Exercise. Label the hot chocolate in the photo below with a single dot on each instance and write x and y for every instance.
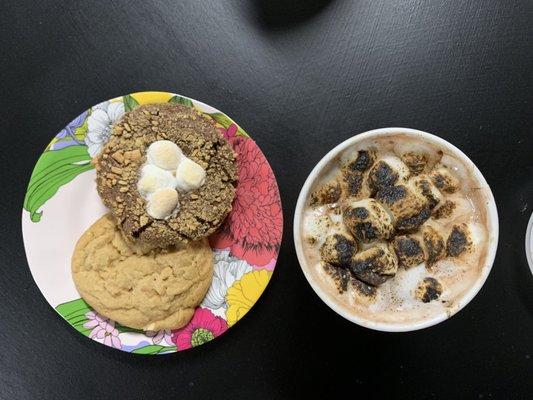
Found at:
(395, 229)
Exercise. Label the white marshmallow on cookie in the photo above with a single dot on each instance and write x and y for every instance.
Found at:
(162, 203)
(189, 175)
(166, 170)
(164, 154)
(154, 178)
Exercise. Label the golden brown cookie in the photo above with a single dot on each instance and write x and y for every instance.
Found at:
(149, 290)
(202, 210)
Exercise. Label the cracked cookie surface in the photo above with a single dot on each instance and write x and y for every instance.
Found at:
(140, 288)
(201, 211)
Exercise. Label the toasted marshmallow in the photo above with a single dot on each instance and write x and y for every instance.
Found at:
(363, 292)
(326, 194)
(434, 246)
(459, 241)
(367, 220)
(351, 184)
(408, 249)
(164, 154)
(338, 250)
(317, 227)
(444, 179)
(408, 208)
(352, 174)
(416, 162)
(189, 175)
(428, 289)
(374, 265)
(455, 207)
(363, 161)
(420, 157)
(388, 171)
(162, 203)
(423, 185)
(154, 178)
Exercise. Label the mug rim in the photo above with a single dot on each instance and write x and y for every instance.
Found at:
(529, 243)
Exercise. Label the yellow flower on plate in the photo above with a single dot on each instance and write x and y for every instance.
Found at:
(152, 97)
(243, 294)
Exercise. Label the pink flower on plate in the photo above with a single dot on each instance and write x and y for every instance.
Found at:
(158, 336)
(203, 327)
(230, 131)
(254, 227)
(103, 329)
(269, 266)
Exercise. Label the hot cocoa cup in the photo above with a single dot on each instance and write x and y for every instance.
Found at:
(396, 229)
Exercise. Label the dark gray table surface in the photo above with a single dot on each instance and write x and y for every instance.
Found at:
(300, 76)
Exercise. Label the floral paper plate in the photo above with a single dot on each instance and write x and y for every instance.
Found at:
(61, 203)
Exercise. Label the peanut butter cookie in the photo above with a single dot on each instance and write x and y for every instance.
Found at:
(140, 288)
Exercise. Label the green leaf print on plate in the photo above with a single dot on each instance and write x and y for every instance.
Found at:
(54, 169)
(154, 349)
(74, 312)
(129, 103)
(122, 329)
(181, 100)
(226, 122)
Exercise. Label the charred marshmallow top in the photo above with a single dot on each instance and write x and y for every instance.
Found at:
(167, 171)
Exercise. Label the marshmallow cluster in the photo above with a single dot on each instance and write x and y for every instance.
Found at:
(166, 173)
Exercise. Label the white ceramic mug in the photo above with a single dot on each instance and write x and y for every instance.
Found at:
(329, 298)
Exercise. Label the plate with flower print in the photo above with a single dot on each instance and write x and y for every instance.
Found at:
(61, 202)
